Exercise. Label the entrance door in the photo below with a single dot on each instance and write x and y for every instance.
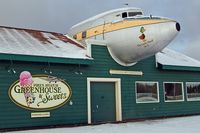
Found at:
(103, 102)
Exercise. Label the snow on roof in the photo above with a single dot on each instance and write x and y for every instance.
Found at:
(39, 43)
(173, 58)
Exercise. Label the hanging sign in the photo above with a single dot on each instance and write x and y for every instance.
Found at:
(39, 92)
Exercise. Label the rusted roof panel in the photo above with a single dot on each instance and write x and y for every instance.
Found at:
(39, 43)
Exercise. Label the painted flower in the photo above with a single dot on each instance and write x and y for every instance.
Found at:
(30, 98)
(142, 30)
(142, 36)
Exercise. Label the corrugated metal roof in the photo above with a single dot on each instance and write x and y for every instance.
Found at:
(39, 43)
(173, 58)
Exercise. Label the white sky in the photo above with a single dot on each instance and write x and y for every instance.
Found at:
(60, 15)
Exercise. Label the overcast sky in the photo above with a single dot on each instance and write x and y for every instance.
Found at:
(60, 15)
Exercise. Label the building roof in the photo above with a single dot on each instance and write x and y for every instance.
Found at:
(26, 42)
(170, 59)
(42, 46)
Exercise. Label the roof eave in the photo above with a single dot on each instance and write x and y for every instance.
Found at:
(31, 58)
(178, 68)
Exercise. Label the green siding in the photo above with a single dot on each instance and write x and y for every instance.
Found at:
(12, 116)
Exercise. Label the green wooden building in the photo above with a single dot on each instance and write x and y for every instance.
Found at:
(48, 79)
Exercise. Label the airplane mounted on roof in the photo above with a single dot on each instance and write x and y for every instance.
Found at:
(129, 35)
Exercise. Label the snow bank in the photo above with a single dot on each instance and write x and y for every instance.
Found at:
(172, 125)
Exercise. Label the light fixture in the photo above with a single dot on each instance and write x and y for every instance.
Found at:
(78, 72)
(10, 68)
(70, 102)
(47, 69)
(124, 72)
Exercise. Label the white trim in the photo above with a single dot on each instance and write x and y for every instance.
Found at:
(158, 95)
(123, 72)
(183, 97)
(40, 114)
(96, 42)
(117, 96)
(89, 101)
(187, 92)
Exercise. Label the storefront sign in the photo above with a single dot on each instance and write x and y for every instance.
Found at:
(39, 92)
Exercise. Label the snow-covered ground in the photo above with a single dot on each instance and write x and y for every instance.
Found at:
(171, 125)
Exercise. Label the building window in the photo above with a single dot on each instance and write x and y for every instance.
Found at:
(173, 91)
(84, 34)
(193, 91)
(147, 92)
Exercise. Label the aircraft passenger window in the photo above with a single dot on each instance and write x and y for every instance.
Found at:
(124, 15)
(84, 34)
(75, 36)
(131, 14)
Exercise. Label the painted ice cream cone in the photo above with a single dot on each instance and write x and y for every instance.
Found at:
(25, 78)
(25, 81)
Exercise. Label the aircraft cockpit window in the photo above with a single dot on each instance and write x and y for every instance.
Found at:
(131, 14)
(84, 34)
(124, 15)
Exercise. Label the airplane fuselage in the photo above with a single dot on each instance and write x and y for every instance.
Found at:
(129, 35)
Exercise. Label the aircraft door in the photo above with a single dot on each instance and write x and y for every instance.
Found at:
(99, 28)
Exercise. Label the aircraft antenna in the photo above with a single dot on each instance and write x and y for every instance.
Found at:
(126, 4)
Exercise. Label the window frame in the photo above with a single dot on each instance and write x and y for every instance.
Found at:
(158, 94)
(187, 92)
(183, 95)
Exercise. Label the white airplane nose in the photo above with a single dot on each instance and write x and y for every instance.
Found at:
(146, 41)
(166, 32)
